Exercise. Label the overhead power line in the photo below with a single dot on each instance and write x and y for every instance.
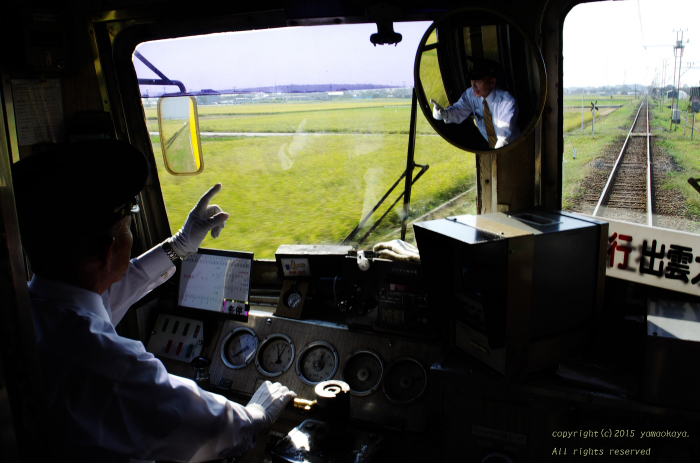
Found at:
(641, 28)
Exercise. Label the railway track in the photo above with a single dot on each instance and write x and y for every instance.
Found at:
(629, 185)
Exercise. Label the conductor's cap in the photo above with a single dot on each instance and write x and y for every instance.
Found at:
(78, 187)
(480, 68)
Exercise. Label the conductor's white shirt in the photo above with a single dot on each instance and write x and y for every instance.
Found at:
(504, 112)
(108, 397)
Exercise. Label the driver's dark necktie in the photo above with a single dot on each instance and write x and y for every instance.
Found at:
(488, 121)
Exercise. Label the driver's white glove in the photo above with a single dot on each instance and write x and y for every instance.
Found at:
(267, 404)
(201, 220)
(439, 113)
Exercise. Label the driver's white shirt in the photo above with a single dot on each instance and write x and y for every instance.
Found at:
(504, 112)
(108, 397)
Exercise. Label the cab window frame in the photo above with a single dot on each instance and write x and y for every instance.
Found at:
(124, 45)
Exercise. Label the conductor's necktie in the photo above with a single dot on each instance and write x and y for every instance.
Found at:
(488, 120)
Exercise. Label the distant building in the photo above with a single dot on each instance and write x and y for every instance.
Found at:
(674, 94)
(695, 99)
(208, 96)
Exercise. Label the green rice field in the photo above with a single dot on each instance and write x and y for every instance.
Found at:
(572, 99)
(312, 182)
(572, 118)
(373, 116)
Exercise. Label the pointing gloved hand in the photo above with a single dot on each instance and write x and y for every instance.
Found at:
(267, 403)
(202, 219)
(439, 113)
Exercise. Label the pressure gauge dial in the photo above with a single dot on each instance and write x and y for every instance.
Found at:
(275, 354)
(293, 299)
(405, 381)
(317, 362)
(239, 347)
(363, 371)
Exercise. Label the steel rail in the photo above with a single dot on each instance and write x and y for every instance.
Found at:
(617, 164)
(650, 218)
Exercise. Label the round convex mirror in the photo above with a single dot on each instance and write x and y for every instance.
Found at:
(472, 56)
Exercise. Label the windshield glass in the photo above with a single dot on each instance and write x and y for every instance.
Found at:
(628, 61)
(307, 129)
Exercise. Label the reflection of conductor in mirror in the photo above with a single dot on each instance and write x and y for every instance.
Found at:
(482, 99)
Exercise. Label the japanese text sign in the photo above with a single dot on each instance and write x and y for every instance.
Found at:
(653, 256)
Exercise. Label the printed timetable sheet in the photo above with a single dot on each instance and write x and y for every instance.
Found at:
(218, 281)
(38, 111)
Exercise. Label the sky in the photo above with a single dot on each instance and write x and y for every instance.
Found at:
(329, 54)
(605, 43)
(611, 43)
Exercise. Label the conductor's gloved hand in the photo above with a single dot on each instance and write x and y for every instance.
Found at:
(202, 219)
(267, 404)
(439, 113)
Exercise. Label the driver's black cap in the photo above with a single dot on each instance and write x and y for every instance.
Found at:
(480, 68)
(79, 187)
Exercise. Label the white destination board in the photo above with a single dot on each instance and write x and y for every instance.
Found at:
(654, 256)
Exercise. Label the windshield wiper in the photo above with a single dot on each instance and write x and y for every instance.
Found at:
(406, 194)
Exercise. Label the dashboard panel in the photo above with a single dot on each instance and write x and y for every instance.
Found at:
(299, 353)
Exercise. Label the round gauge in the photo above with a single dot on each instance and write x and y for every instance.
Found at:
(239, 347)
(275, 355)
(363, 371)
(317, 362)
(405, 381)
(293, 300)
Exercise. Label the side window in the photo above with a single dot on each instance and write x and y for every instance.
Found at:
(307, 129)
(630, 100)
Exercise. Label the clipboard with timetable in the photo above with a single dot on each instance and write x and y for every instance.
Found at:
(217, 281)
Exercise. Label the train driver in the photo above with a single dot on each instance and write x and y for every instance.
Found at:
(495, 110)
(108, 398)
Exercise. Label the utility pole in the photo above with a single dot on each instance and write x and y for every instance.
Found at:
(674, 80)
(678, 46)
(582, 118)
(680, 68)
(663, 84)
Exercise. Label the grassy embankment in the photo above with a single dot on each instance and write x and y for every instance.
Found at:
(685, 152)
(572, 109)
(300, 189)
